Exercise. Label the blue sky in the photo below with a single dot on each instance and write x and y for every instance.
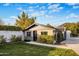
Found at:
(46, 13)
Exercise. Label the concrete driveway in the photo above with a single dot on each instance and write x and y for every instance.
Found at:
(73, 44)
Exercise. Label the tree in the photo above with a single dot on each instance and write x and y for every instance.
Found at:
(74, 27)
(24, 21)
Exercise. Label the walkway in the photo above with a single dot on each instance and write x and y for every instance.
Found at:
(49, 45)
(73, 44)
(68, 45)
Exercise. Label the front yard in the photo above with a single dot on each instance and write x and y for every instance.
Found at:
(23, 49)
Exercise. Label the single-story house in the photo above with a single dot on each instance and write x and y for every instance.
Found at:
(35, 30)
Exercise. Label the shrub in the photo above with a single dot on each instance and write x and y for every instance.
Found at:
(74, 35)
(46, 39)
(15, 39)
(10, 28)
(19, 38)
(2, 39)
(59, 37)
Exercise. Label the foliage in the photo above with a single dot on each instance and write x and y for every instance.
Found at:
(10, 28)
(24, 21)
(23, 49)
(61, 52)
(74, 27)
(2, 39)
(46, 39)
(59, 37)
(15, 38)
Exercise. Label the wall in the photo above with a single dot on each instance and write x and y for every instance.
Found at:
(69, 37)
(50, 32)
(39, 29)
(8, 34)
(71, 40)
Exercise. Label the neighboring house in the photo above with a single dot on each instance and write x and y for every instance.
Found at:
(35, 30)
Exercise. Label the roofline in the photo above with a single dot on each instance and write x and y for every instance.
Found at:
(37, 24)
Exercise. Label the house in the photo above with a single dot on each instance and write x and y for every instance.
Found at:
(35, 30)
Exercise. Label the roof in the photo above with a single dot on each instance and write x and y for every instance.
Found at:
(36, 24)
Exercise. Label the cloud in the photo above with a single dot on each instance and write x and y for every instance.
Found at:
(37, 6)
(55, 7)
(72, 15)
(37, 14)
(75, 7)
(21, 9)
(49, 16)
(9, 21)
(30, 7)
(42, 7)
(42, 11)
(49, 4)
(71, 4)
(6, 4)
(13, 17)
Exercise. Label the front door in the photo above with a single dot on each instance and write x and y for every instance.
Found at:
(34, 35)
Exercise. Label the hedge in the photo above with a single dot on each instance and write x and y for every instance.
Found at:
(46, 39)
(9, 28)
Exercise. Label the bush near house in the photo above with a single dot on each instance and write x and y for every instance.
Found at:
(46, 39)
(59, 37)
(14, 38)
(2, 39)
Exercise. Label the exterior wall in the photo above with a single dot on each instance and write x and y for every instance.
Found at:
(50, 32)
(27, 37)
(69, 37)
(40, 29)
(8, 34)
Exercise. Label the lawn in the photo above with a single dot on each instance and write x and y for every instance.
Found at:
(23, 49)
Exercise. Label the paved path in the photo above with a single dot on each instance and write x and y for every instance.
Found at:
(49, 45)
(74, 47)
(73, 44)
(69, 45)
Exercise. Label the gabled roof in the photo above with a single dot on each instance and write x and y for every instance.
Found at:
(36, 24)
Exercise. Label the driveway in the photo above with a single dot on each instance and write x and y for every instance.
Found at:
(73, 44)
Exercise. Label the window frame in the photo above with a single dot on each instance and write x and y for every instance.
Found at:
(29, 33)
(44, 33)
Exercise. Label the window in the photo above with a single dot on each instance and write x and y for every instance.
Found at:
(44, 33)
(28, 33)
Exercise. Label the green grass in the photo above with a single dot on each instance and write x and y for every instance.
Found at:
(22, 49)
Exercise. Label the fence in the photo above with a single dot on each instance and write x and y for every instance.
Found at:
(8, 34)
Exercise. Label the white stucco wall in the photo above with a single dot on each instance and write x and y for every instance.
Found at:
(68, 34)
(69, 37)
(8, 34)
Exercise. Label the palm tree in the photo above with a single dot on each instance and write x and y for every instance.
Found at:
(24, 21)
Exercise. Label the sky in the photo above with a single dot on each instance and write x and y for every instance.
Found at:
(45, 13)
